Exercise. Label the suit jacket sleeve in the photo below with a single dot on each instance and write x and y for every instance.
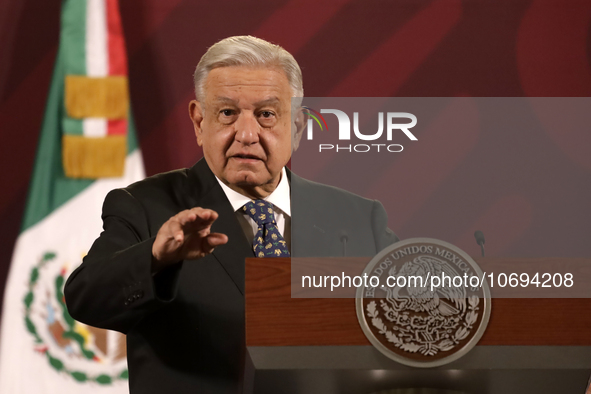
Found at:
(113, 288)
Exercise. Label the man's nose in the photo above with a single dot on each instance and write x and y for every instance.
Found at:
(247, 129)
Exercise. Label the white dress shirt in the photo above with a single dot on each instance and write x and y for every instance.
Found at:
(279, 198)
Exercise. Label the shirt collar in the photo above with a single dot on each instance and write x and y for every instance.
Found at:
(280, 197)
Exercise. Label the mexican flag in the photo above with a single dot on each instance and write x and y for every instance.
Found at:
(87, 147)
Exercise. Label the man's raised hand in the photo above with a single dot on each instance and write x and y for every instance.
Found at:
(185, 236)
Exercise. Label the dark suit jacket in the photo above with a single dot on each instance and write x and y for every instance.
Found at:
(185, 326)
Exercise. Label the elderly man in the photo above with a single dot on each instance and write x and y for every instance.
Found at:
(168, 269)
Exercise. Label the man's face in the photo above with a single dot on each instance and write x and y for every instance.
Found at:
(244, 126)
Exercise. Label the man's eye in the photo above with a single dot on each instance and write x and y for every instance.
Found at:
(267, 114)
(227, 112)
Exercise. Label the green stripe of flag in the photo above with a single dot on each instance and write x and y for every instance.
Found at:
(49, 187)
(72, 126)
(73, 36)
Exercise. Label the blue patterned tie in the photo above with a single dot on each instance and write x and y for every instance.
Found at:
(268, 241)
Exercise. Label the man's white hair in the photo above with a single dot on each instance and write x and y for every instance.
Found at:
(247, 51)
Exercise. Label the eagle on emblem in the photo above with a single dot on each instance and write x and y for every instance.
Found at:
(418, 296)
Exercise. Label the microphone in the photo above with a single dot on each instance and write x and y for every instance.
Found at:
(480, 240)
(344, 237)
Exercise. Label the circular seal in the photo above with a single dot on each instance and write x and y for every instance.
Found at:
(429, 307)
(87, 354)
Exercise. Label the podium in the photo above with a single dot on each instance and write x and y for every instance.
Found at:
(305, 345)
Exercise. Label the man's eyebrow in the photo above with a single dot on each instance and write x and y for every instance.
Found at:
(269, 101)
(227, 100)
(224, 100)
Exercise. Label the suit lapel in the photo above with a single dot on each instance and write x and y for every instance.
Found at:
(309, 235)
(209, 194)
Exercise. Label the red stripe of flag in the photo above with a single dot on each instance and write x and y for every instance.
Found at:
(117, 127)
(116, 43)
(117, 58)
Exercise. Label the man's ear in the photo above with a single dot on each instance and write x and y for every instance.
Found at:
(196, 114)
(299, 126)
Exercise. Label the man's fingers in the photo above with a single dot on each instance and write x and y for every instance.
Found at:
(191, 215)
(185, 217)
(176, 231)
(187, 234)
(190, 221)
(196, 218)
(205, 216)
(211, 241)
(216, 239)
(179, 236)
(202, 223)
